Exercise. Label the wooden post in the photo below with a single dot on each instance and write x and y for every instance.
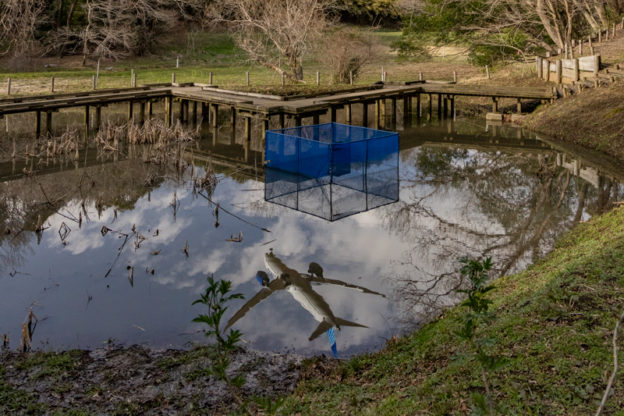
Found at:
(547, 74)
(394, 110)
(418, 106)
(539, 67)
(430, 114)
(48, 122)
(210, 78)
(406, 110)
(575, 69)
(214, 114)
(97, 70)
(315, 118)
(559, 73)
(168, 110)
(452, 100)
(420, 76)
(173, 79)
(130, 110)
(86, 121)
(487, 72)
(382, 74)
(439, 106)
(98, 117)
(332, 110)
(494, 104)
(445, 110)
(9, 86)
(347, 109)
(37, 124)
(247, 78)
(365, 114)
(596, 64)
(181, 111)
(194, 112)
(519, 106)
(351, 77)
(52, 85)
(132, 78)
(377, 113)
(297, 121)
(282, 120)
(150, 109)
(142, 111)
(233, 119)
(318, 78)
(455, 77)
(94, 82)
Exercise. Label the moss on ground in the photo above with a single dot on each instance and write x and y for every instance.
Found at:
(553, 325)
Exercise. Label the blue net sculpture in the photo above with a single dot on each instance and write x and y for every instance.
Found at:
(331, 170)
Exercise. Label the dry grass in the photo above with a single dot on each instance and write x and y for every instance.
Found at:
(593, 119)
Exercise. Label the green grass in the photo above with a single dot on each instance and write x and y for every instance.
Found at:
(553, 324)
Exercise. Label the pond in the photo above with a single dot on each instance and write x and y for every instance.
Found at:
(127, 246)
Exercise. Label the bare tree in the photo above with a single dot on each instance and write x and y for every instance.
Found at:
(274, 32)
(19, 20)
(345, 52)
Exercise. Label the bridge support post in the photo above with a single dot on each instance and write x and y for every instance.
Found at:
(407, 101)
(519, 106)
(168, 110)
(214, 113)
(418, 107)
(332, 111)
(142, 112)
(194, 112)
(348, 117)
(130, 110)
(539, 66)
(430, 107)
(37, 124)
(439, 106)
(98, 117)
(86, 122)
(315, 118)
(233, 119)
(150, 109)
(282, 121)
(365, 114)
(181, 112)
(495, 104)
(297, 121)
(48, 122)
(247, 129)
(377, 113)
(446, 100)
(452, 102)
(394, 111)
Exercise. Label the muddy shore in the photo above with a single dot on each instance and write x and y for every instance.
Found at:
(138, 380)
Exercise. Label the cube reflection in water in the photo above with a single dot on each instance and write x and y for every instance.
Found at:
(331, 170)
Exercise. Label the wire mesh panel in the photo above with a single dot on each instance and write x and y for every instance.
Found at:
(332, 170)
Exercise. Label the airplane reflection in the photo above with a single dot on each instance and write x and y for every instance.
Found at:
(299, 285)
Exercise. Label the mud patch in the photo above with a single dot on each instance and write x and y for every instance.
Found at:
(137, 379)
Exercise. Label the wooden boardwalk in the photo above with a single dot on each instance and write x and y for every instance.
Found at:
(257, 106)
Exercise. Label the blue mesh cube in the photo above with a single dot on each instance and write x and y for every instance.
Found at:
(331, 170)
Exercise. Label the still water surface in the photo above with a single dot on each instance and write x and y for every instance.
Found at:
(462, 191)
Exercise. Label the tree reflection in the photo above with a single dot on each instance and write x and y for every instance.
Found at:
(510, 206)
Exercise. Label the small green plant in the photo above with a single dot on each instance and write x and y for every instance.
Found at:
(215, 297)
(478, 315)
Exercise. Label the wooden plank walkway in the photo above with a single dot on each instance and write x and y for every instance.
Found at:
(258, 106)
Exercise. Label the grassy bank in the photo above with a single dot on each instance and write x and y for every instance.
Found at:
(593, 119)
(553, 325)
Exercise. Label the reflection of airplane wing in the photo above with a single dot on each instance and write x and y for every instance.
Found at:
(341, 283)
(274, 285)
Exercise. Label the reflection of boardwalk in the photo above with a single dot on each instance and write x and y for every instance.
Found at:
(192, 98)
